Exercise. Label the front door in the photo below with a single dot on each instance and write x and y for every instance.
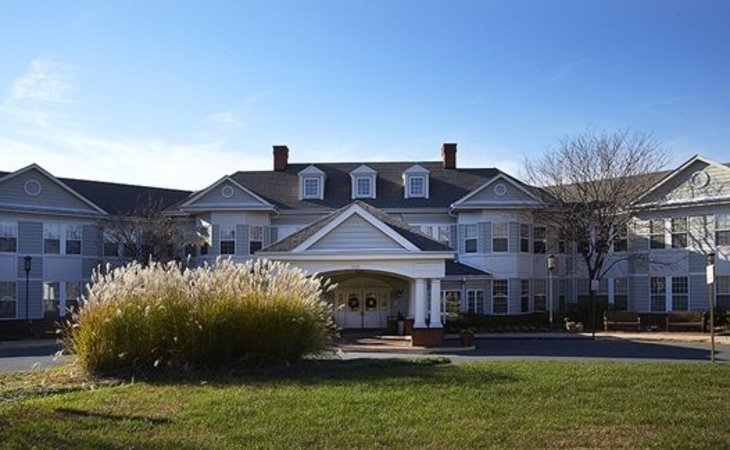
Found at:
(362, 307)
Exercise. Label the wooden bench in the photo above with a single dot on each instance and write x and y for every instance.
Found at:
(693, 319)
(621, 319)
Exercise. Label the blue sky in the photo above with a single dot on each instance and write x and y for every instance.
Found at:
(179, 93)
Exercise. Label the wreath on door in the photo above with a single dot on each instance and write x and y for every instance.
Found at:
(354, 303)
(370, 303)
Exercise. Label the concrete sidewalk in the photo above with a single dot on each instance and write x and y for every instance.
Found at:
(28, 343)
(629, 336)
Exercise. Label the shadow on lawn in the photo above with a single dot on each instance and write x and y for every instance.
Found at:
(75, 413)
(432, 371)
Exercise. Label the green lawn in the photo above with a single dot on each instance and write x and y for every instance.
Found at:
(365, 404)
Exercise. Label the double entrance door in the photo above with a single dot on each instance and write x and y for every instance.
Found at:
(362, 307)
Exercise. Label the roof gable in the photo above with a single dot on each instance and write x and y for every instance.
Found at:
(225, 193)
(311, 170)
(416, 170)
(33, 188)
(500, 191)
(356, 233)
(699, 179)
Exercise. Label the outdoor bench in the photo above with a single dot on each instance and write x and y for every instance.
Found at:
(621, 319)
(686, 319)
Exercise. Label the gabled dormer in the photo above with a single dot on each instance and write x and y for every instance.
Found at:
(416, 182)
(364, 182)
(311, 183)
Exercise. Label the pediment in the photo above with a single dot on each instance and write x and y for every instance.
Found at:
(355, 233)
(33, 188)
(698, 180)
(226, 193)
(499, 191)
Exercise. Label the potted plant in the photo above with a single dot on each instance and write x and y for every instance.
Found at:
(466, 337)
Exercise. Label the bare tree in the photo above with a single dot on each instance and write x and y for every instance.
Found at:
(589, 182)
(146, 233)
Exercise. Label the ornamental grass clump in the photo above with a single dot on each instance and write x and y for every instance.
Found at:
(166, 316)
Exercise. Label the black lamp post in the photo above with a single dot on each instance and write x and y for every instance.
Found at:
(551, 268)
(27, 261)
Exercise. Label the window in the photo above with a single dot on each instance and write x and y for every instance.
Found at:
(450, 305)
(722, 292)
(539, 239)
(470, 238)
(228, 239)
(679, 232)
(658, 290)
(73, 295)
(475, 301)
(500, 293)
(51, 296)
(621, 238)
(525, 296)
(204, 249)
(416, 186)
(7, 300)
(621, 294)
(656, 234)
(73, 239)
(584, 285)
(500, 237)
(539, 295)
(51, 238)
(444, 234)
(363, 187)
(524, 238)
(255, 238)
(722, 229)
(311, 187)
(111, 246)
(8, 237)
(680, 294)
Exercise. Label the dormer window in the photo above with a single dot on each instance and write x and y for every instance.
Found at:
(415, 182)
(363, 182)
(311, 183)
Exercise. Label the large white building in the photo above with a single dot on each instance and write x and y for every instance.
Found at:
(397, 237)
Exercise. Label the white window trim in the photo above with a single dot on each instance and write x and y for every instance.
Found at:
(409, 180)
(494, 236)
(63, 229)
(355, 181)
(320, 185)
(474, 292)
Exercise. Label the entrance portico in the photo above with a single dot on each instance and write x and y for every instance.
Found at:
(382, 268)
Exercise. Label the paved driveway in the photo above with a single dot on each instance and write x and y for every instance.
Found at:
(29, 355)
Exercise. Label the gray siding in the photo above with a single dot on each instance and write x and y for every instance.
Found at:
(679, 187)
(639, 294)
(697, 262)
(215, 242)
(698, 292)
(514, 295)
(30, 237)
(460, 238)
(514, 237)
(454, 237)
(356, 233)
(91, 240)
(242, 240)
(267, 235)
(485, 235)
(52, 195)
(215, 197)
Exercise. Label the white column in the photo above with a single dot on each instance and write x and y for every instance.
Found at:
(420, 310)
(435, 303)
(411, 299)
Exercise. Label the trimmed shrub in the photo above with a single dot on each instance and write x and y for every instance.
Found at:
(167, 316)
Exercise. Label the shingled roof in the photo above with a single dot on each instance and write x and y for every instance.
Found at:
(281, 188)
(420, 240)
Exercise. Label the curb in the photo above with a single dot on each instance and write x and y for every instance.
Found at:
(403, 350)
(28, 343)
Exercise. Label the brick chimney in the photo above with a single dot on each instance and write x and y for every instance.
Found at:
(281, 157)
(448, 156)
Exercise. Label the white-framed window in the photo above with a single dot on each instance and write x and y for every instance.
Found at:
(679, 232)
(475, 301)
(255, 238)
(722, 292)
(500, 237)
(538, 296)
(73, 239)
(51, 238)
(416, 186)
(8, 305)
(73, 295)
(525, 295)
(8, 237)
(363, 187)
(441, 233)
(311, 187)
(228, 239)
(621, 238)
(111, 246)
(500, 297)
(722, 230)
(471, 239)
(51, 298)
(450, 304)
(680, 294)
(658, 293)
(524, 238)
(657, 236)
(621, 294)
(539, 239)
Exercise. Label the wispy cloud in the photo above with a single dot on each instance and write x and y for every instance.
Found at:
(224, 120)
(44, 81)
(565, 70)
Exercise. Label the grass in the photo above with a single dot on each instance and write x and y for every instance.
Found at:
(422, 403)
